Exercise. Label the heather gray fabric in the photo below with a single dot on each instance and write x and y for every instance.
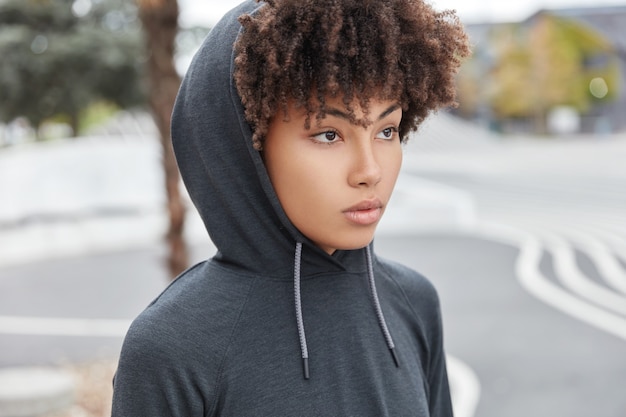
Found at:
(222, 339)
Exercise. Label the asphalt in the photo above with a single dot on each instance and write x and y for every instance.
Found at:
(525, 241)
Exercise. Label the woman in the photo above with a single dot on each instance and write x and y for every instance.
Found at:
(288, 130)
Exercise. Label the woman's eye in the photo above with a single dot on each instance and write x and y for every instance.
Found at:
(327, 137)
(388, 133)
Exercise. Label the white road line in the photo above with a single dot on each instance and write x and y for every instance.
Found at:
(618, 243)
(568, 272)
(602, 256)
(529, 276)
(605, 258)
(464, 386)
(44, 326)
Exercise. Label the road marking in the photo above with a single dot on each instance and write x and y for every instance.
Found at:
(603, 257)
(560, 242)
(570, 275)
(47, 326)
(615, 245)
(529, 276)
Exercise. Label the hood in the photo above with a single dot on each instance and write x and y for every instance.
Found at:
(229, 185)
(224, 174)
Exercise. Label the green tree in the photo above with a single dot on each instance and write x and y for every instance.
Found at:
(59, 56)
(510, 92)
(543, 65)
(536, 66)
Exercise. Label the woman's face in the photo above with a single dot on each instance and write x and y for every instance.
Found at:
(334, 180)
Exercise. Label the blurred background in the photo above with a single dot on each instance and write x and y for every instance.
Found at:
(513, 203)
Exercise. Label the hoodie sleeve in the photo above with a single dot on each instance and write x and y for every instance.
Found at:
(152, 378)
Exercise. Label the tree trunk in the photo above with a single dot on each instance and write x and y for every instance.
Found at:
(74, 122)
(160, 25)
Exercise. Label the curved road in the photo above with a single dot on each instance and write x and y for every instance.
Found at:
(526, 242)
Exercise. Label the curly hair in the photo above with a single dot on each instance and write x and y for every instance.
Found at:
(306, 50)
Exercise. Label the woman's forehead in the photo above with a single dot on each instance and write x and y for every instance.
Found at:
(356, 111)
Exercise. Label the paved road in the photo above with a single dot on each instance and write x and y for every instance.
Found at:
(541, 315)
(112, 286)
(526, 242)
(530, 359)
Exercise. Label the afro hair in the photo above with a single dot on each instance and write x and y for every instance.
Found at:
(307, 50)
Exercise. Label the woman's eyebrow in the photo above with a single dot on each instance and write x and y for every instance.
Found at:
(387, 112)
(343, 115)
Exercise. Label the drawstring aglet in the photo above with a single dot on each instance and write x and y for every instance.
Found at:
(395, 357)
(305, 367)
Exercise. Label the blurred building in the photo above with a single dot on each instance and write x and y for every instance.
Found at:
(558, 71)
(611, 23)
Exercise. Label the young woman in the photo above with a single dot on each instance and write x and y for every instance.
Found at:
(288, 131)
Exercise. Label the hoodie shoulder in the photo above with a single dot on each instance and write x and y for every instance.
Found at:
(418, 289)
(172, 355)
(419, 294)
(196, 312)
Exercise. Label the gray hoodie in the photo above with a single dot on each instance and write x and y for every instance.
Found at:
(272, 325)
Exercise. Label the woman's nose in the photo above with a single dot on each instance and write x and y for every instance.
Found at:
(365, 170)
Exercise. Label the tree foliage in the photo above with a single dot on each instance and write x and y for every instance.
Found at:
(59, 56)
(538, 65)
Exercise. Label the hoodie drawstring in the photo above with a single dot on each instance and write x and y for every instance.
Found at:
(379, 311)
(298, 302)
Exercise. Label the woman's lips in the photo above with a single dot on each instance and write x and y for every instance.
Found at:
(365, 213)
